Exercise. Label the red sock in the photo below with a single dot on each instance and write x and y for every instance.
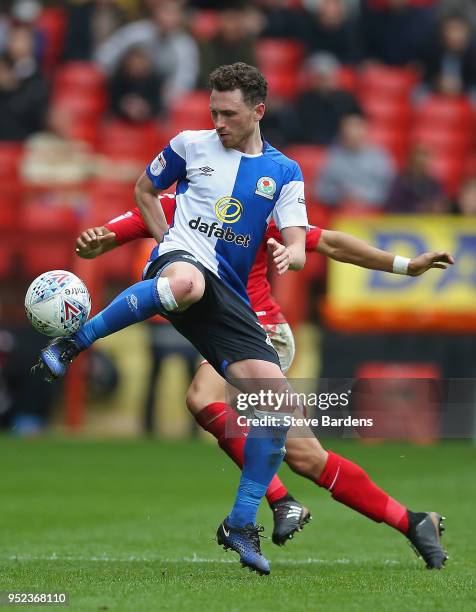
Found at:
(221, 421)
(350, 485)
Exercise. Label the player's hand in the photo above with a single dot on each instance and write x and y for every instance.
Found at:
(94, 241)
(281, 255)
(427, 261)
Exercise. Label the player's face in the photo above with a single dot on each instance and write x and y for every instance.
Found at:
(235, 121)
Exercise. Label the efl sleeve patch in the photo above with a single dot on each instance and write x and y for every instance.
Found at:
(166, 168)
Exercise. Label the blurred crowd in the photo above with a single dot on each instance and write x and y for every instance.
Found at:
(380, 93)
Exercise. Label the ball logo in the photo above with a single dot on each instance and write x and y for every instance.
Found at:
(228, 210)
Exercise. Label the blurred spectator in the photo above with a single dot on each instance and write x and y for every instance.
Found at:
(279, 20)
(23, 91)
(463, 7)
(415, 190)
(397, 32)
(450, 62)
(279, 125)
(89, 24)
(355, 171)
(466, 201)
(232, 43)
(165, 39)
(321, 107)
(332, 29)
(134, 89)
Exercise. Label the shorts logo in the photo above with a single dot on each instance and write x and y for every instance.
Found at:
(228, 210)
(266, 187)
(158, 164)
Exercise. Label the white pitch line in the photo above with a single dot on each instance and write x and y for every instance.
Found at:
(193, 559)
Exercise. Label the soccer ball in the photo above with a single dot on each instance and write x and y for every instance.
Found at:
(57, 303)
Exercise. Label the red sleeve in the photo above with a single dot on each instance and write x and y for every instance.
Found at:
(312, 236)
(131, 226)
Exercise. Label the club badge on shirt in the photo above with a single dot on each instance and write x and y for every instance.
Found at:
(266, 187)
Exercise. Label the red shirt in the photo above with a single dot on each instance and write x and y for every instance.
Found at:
(131, 226)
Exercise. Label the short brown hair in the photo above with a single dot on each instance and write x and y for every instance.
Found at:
(240, 76)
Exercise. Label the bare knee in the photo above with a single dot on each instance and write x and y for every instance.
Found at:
(196, 398)
(187, 289)
(305, 456)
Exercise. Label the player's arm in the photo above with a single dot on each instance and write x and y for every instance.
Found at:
(150, 208)
(290, 217)
(292, 254)
(95, 241)
(349, 249)
(167, 168)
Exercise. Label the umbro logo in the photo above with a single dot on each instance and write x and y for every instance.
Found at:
(206, 170)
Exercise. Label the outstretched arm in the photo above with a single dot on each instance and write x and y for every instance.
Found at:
(348, 249)
(292, 254)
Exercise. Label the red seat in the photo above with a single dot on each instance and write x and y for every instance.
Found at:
(392, 139)
(311, 159)
(402, 398)
(450, 141)
(448, 169)
(442, 111)
(347, 79)
(387, 112)
(279, 54)
(386, 81)
(11, 154)
(127, 141)
(48, 237)
(84, 76)
(282, 85)
(88, 103)
(192, 111)
(52, 25)
(204, 24)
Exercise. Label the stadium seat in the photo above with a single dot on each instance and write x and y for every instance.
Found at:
(11, 154)
(402, 398)
(443, 111)
(279, 54)
(444, 140)
(449, 170)
(48, 235)
(52, 25)
(204, 24)
(192, 111)
(347, 79)
(84, 76)
(392, 139)
(386, 81)
(109, 199)
(311, 158)
(282, 85)
(387, 112)
(127, 141)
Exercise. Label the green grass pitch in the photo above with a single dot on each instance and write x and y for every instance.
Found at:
(131, 526)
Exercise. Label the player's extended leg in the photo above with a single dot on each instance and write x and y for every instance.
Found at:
(263, 453)
(206, 401)
(180, 285)
(349, 484)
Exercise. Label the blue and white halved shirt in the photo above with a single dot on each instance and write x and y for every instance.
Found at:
(225, 200)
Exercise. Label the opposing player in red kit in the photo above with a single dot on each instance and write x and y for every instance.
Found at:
(347, 482)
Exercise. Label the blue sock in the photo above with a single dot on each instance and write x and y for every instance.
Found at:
(263, 454)
(136, 303)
